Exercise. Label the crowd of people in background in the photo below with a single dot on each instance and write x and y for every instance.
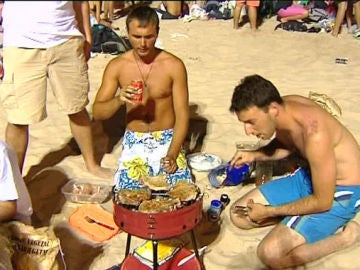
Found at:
(329, 15)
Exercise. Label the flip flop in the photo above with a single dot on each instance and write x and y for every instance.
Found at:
(356, 34)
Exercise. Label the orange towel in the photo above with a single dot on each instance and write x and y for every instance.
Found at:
(94, 221)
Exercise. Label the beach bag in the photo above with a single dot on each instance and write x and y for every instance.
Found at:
(35, 249)
(106, 40)
(221, 10)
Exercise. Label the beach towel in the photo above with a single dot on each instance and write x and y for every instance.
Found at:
(94, 222)
(326, 103)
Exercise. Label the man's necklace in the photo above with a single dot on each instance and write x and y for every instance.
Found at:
(144, 78)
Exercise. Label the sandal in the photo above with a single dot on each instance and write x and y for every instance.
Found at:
(356, 34)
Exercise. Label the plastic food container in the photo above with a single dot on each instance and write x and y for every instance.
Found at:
(81, 191)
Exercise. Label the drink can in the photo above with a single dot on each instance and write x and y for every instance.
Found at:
(224, 198)
(139, 93)
(341, 60)
(214, 210)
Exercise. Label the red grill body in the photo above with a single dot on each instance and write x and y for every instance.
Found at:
(158, 225)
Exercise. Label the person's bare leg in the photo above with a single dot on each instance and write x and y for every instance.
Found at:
(290, 253)
(340, 14)
(17, 136)
(349, 16)
(237, 13)
(357, 13)
(81, 129)
(111, 11)
(97, 5)
(253, 17)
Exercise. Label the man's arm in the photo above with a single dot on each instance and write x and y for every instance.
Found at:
(106, 104)
(7, 210)
(82, 15)
(181, 109)
(272, 151)
(323, 175)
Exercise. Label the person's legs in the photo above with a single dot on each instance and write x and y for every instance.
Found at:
(252, 10)
(284, 248)
(349, 15)
(253, 17)
(17, 136)
(23, 95)
(237, 13)
(80, 125)
(95, 9)
(356, 5)
(340, 14)
(70, 84)
(304, 238)
(108, 11)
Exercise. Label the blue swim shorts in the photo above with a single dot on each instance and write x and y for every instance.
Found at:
(312, 227)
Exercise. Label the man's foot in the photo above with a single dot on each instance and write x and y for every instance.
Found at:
(101, 172)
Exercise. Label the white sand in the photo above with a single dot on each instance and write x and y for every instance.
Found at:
(216, 57)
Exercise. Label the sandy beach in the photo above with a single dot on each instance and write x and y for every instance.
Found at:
(216, 57)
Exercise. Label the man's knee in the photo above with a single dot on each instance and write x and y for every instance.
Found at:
(269, 255)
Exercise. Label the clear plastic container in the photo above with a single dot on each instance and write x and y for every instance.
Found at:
(81, 191)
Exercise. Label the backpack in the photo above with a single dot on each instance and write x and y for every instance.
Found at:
(219, 9)
(105, 40)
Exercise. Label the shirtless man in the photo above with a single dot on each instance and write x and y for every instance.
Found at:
(313, 202)
(157, 126)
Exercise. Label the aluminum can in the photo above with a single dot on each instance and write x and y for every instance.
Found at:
(340, 60)
(138, 84)
(214, 210)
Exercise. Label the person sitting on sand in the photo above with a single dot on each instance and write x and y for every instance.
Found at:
(173, 9)
(157, 124)
(288, 10)
(314, 202)
(15, 202)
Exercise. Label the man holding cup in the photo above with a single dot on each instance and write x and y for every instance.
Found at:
(157, 123)
(313, 202)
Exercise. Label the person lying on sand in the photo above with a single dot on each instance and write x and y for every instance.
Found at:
(316, 203)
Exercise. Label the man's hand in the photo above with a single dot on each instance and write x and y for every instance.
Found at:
(242, 157)
(169, 164)
(257, 212)
(87, 50)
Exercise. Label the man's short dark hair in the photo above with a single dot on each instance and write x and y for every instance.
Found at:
(254, 90)
(145, 15)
